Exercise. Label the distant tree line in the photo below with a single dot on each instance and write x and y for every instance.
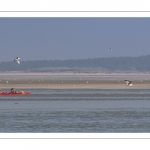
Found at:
(141, 63)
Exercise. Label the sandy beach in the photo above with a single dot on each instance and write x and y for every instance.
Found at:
(24, 81)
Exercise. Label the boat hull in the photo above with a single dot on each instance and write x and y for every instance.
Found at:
(14, 94)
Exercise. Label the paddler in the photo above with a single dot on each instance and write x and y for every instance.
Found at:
(13, 91)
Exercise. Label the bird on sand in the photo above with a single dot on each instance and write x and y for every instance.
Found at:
(17, 60)
(128, 82)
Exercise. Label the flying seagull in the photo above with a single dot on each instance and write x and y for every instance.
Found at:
(17, 60)
(110, 48)
(128, 83)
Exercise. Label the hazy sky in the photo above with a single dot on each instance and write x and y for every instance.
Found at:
(73, 38)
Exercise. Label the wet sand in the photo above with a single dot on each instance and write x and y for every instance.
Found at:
(24, 81)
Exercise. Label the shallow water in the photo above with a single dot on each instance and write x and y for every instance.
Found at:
(76, 111)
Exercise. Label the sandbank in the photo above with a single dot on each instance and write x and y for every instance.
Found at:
(24, 81)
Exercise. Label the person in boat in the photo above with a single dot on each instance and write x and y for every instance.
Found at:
(13, 90)
(1, 91)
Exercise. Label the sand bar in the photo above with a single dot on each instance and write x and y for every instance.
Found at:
(23, 81)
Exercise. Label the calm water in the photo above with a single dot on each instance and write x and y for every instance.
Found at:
(76, 111)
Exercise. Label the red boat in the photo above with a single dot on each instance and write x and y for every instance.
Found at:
(15, 94)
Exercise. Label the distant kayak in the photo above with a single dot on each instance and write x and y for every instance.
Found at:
(15, 94)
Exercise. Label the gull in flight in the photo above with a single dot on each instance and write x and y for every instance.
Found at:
(17, 60)
(110, 48)
(128, 83)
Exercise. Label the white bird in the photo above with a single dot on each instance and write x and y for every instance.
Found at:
(110, 48)
(128, 83)
(17, 60)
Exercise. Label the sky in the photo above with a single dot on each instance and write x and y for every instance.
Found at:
(55, 38)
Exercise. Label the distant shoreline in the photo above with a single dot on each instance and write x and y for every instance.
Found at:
(107, 64)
